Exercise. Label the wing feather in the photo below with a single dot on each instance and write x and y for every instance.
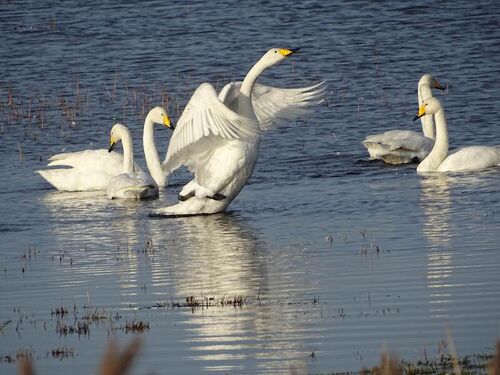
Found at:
(274, 105)
(205, 116)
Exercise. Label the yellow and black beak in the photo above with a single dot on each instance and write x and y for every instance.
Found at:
(167, 122)
(287, 52)
(421, 112)
(112, 142)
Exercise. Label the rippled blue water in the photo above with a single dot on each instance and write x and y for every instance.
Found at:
(335, 255)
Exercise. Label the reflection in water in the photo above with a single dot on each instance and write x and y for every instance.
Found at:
(88, 223)
(436, 202)
(218, 256)
(81, 217)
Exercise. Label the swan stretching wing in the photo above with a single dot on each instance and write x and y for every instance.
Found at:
(219, 142)
(204, 121)
(274, 105)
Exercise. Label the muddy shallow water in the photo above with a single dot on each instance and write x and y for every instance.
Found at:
(324, 260)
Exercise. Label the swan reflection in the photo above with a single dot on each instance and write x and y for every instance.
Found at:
(218, 257)
(94, 231)
(91, 218)
(435, 201)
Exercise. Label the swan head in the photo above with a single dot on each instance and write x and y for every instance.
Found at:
(118, 132)
(433, 83)
(275, 55)
(428, 107)
(159, 115)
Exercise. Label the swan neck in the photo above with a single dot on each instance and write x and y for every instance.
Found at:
(128, 153)
(425, 92)
(150, 152)
(440, 149)
(249, 81)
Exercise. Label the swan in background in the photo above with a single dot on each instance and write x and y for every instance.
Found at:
(131, 183)
(471, 158)
(93, 169)
(405, 146)
(218, 136)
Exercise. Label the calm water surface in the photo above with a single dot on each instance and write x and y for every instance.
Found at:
(330, 258)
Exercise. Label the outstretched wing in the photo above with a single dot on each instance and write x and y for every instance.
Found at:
(274, 105)
(205, 121)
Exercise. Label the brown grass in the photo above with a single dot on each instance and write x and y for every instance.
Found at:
(115, 363)
(119, 363)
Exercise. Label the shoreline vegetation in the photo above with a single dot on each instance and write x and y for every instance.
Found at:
(116, 362)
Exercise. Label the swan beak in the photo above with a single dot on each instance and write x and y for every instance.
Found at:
(167, 123)
(438, 86)
(421, 112)
(287, 52)
(112, 142)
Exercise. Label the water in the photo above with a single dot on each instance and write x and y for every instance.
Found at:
(335, 258)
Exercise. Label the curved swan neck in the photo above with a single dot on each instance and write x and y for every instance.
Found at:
(440, 149)
(128, 153)
(425, 92)
(244, 99)
(150, 152)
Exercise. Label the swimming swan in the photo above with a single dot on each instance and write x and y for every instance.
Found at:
(471, 158)
(131, 183)
(218, 137)
(92, 169)
(404, 146)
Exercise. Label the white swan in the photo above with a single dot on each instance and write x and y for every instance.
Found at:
(93, 169)
(218, 137)
(405, 146)
(471, 158)
(131, 183)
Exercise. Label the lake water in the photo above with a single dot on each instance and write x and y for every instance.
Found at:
(322, 262)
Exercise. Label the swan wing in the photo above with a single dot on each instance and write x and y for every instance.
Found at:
(273, 105)
(400, 139)
(83, 170)
(101, 160)
(398, 146)
(471, 158)
(205, 122)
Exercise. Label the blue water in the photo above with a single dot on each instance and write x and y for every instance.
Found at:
(333, 254)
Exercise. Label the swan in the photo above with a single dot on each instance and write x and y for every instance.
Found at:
(405, 146)
(92, 169)
(218, 136)
(471, 158)
(131, 183)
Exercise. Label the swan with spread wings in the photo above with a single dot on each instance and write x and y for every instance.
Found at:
(218, 136)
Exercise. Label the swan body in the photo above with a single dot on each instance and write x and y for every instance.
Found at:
(83, 170)
(218, 136)
(405, 146)
(471, 158)
(93, 169)
(130, 184)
